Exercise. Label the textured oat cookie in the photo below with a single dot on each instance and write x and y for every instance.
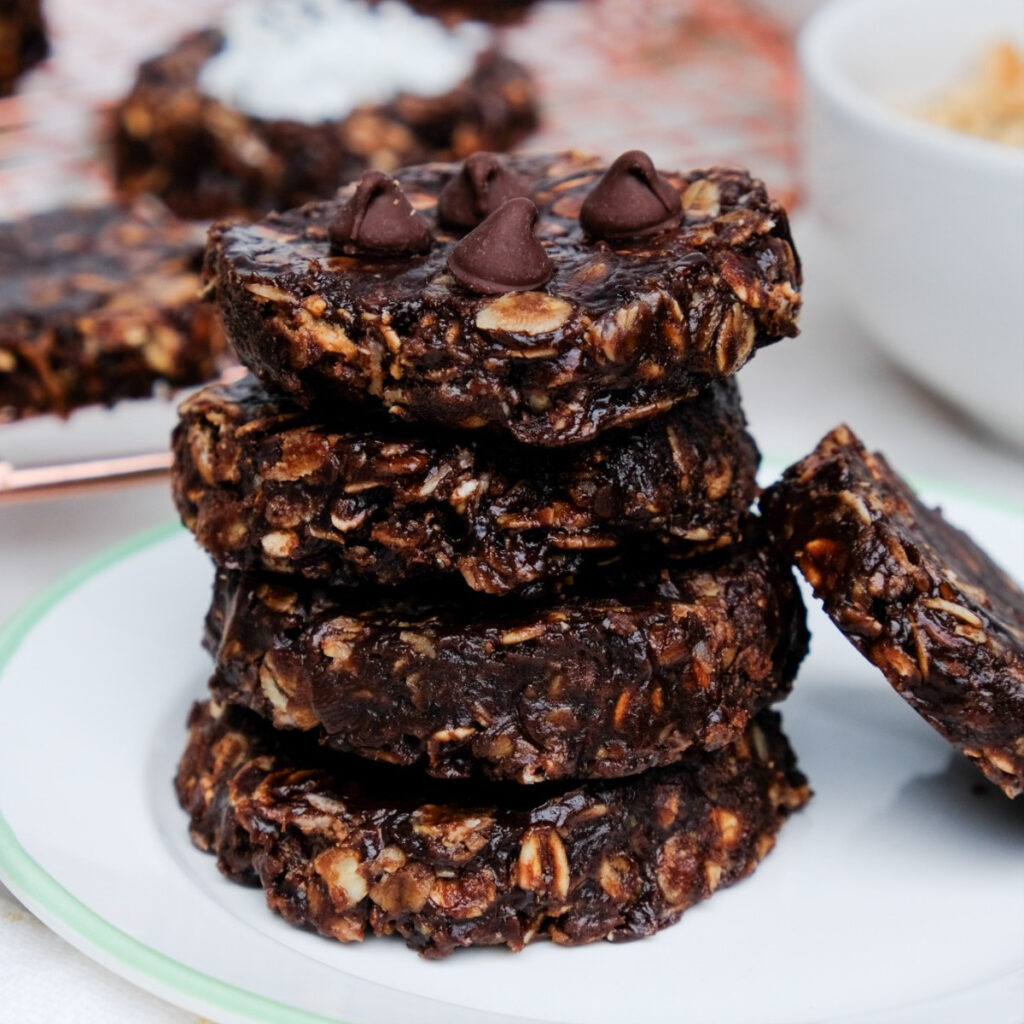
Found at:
(583, 685)
(205, 159)
(913, 594)
(23, 41)
(265, 485)
(351, 849)
(99, 304)
(618, 333)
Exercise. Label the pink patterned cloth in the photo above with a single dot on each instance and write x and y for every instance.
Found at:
(692, 82)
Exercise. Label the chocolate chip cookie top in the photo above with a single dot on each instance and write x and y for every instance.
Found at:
(484, 183)
(502, 254)
(632, 200)
(619, 332)
(378, 221)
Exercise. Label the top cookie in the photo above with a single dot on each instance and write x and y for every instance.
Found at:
(553, 331)
(913, 594)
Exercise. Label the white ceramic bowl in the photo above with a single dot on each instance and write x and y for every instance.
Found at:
(923, 227)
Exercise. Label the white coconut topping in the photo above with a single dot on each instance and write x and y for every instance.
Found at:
(316, 60)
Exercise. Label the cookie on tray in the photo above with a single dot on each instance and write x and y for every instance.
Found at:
(23, 40)
(913, 594)
(267, 112)
(543, 297)
(582, 685)
(351, 849)
(99, 304)
(264, 484)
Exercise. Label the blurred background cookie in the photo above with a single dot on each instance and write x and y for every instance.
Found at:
(99, 304)
(283, 103)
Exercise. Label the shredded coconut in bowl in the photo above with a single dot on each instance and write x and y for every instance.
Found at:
(316, 60)
(990, 103)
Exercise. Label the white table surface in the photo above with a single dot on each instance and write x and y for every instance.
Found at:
(794, 393)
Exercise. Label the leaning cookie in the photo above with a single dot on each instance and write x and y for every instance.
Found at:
(580, 686)
(271, 111)
(913, 594)
(99, 304)
(538, 296)
(264, 484)
(350, 849)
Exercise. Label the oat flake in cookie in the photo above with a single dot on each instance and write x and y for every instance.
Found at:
(286, 100)
(607, 680)
(352, 849)
(913, 594)
(616, 332)
(264, 484)
(99, 304)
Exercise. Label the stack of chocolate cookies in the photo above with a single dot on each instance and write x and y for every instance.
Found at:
(495, 632)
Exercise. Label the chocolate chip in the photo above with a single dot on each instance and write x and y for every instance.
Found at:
(379, 221)
(502, 254)
(477, 189)
(632, 200)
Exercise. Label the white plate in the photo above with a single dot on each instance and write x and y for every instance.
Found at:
(896, 896)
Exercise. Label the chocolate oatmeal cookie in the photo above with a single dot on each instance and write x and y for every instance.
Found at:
(583, 685)
(23, 42)
(632, 290)
(206, 159)
(266, 485)
(99, 304)
(913, 594)
(347, 848)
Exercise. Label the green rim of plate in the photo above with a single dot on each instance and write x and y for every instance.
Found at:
(27, 877)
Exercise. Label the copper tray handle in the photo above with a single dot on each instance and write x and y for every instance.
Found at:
(59, 480)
